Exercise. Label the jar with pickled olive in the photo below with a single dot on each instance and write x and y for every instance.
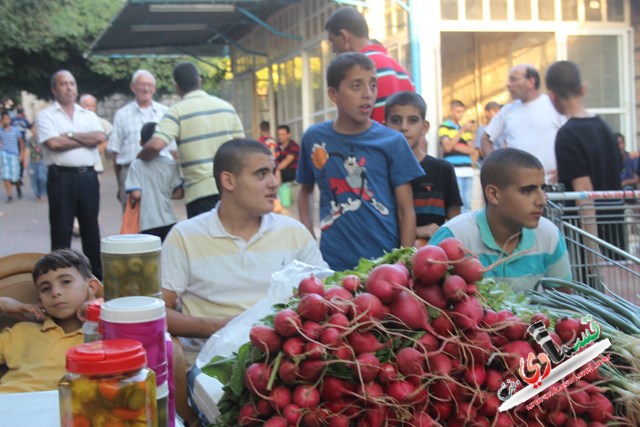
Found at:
(107, 383)
(131, 265)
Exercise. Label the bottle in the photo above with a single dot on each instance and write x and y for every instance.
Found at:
(107, 382)
(131, 265)
(91, 326)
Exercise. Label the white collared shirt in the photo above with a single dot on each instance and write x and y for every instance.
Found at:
(53, 122)
(125, 136)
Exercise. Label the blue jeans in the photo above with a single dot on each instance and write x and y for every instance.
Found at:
(465, 185)
(38, 178)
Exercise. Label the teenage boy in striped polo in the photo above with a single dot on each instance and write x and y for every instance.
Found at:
(511, 224)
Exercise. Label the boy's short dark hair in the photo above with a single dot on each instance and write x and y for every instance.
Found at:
(406, 98)
(497, 168)
(62, 258)
(285, 127)
(456, 103)
(4, 113)
(563, 78)
(341, 64)
(146, 132)
(265, 126)
(185, 74)
(349, 19)
(230, 156)
(492, 105)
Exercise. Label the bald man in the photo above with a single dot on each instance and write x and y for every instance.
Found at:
(91, 103)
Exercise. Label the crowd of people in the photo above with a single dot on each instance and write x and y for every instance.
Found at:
(379, 189)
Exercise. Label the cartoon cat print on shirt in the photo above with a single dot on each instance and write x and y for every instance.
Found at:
(355, 183)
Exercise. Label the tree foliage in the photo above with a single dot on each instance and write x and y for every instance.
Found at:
(40, 37)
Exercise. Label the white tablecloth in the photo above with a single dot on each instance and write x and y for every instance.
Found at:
(33, 409)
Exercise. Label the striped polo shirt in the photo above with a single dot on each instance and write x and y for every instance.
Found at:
(457, 158)
(199, 123)
(542, 250)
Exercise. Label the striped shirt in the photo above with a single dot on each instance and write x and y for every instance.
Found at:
(9, 140)
(216, 274)
(544, 253)
(125, 135)
(200, 123)
(449, 129)
(392, 78)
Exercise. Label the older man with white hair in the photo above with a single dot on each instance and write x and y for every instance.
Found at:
(124, 142)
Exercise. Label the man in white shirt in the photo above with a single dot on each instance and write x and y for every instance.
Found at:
(124, 142)
(70, 135)
(529, 123)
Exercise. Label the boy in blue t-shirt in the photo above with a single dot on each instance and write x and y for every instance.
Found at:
(436, 197)
(363, 170)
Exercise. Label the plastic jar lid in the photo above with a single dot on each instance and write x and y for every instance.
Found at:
(106, 357)
(130, 244)
(93, 312)
(132, 310)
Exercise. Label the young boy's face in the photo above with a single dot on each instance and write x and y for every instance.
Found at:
(356, 95)
(520, 203)
(62, 292)
(407, 120)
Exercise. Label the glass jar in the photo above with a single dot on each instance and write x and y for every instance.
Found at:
(107, 383)
(131, 265)
(91, 326)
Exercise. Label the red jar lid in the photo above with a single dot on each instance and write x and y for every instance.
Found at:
(93, 312)
(106, 357)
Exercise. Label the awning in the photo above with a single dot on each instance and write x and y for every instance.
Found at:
(178, 27)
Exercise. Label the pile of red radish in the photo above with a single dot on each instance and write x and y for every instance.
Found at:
(410, 345)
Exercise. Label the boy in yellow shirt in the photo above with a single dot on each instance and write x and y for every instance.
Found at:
(34, 353)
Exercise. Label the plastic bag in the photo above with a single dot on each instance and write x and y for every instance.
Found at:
(131, 217)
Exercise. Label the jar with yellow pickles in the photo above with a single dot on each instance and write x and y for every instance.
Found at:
(131, 265)
(108, 384)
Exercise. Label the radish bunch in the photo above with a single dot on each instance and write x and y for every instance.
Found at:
(407, 344)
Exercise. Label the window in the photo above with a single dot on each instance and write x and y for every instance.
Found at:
(522, 10)
(498, 10)
(473, 9)
(449, 9)
(615, 10)
(569, 10)
(546, 10)
(593, 10)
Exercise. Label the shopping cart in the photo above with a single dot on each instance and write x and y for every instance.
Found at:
(609, 260)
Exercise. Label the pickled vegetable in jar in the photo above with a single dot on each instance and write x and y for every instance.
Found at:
(131, 265)
(107, 383)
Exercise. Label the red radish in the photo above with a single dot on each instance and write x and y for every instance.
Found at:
(516, 350)
(429, 264)
(351, 282)
(410, 361)
(408, 310)
(263, 408)
(265, 339)
(330, 337)
(601, 408)
(439, 364)
(306, 396)
(493, 380)
(276, 422)
(311, 285)
(377, 415)
(441, 410)
(475, 375)
(444, 389)
(433, 295)
(333, 388)
(338, 298)
(339, 292)
(472, 289)
(504, 314)
(312, 307)
(287, 322)
(467, 314)
(515, 328)
(490, 318)
(311, 329)
(256, 377)
(386, 281)
(567, 329)
(339, 420)
(454, 288)
(292, 413)
(422, 419)
(465, 412)
(443, 325)
(293, 346)
(367, 307)
(311, 369)
(540, 317)
(471, 269)
(367, 367)
(338, 321)
(388, 372)
(248, 415)
(371, 392)
(402, 391)
(452, 348)
(490, 406)
(556, 419)
(427, 343)
(454, 248)
(503, 419)
(314, 350)
(288, 371)
(576, 422)
(342, 352)
(314, 418)
(363, 342)
(280, 397)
